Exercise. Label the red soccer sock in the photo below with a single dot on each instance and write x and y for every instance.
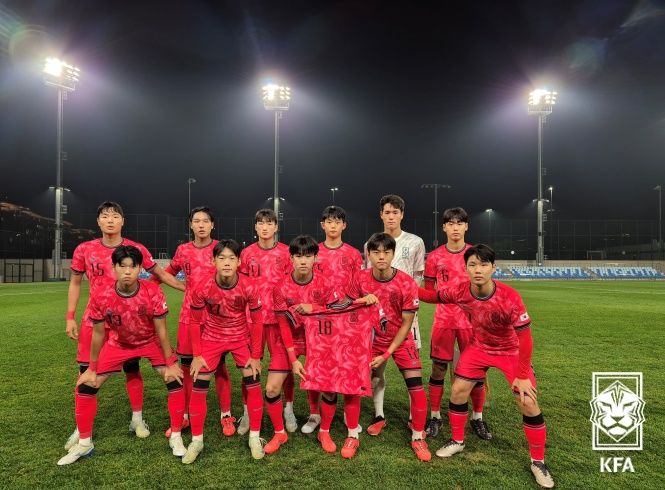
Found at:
(352, 410)
(457, 415)
(254, 402)
(478, 398)
(176, 405)
(435, 394)
(223, 388)
(289, 388)
(198, 406)
(135, 390)
(418, 406)
(328, 408)
(536, 435)
(313, 398)
(274, 406)
(86, 409)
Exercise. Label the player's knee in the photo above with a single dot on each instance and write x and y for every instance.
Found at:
(439, 369)
(529, 406)
(201, 384)
(131, 366)
(87, 390)
(186, 361)
(173, 386)
(270, 399)
(415, 382)
(273, 390)
(460, 390)
(251, 380)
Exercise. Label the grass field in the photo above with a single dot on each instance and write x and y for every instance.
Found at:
(579, 328)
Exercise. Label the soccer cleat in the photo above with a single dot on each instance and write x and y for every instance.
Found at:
(542, 474)
(76, 452)
(481, 429)
(276, 442)
(256, 447)
(450, 448)
(434, 427)
(290, 421)
(376, 426)
(140, 428)
(419, 447)
(327, 443)
(193, 451)
(350, 447)
(243, 425)
(312, 423)
(178, 447)
(73, 440)
(228, 426)
(185, 425)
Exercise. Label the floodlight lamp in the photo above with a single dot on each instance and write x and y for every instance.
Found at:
(276, 97)
(489, 210)
(541, 101)
(60, 74)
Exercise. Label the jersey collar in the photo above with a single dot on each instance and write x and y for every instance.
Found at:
(122, 295)
(228, 287)
(384, 280)
(483, 298)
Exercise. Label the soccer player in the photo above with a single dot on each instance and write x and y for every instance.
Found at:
(502, 340)
(397, 293)
(305, 287)
(193, 259)
(134, 312)
(445, 267)
(267, 261)
(409, 257)
(338, 261)
(226, 295)
(93, 258)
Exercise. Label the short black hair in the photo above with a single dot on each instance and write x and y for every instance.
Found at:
(229, 243)
(381, 240)
(110, 205)
(201, 209)
(127, 252)
(303, 245)
(482, 251)
(458, 214)
(333, 212)
(265, 214)
(392, 199)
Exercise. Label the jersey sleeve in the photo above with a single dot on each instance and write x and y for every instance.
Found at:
(353, 289)
(410, 301)
(254, 304)
(278, 301)
(148, 262)
(95, 311)
(430, 268)
(176, 262)
(366, 264)
(449, 294)
(419, 257)
(78, 260)
(197, 300)
(519, 316)
(159, 307)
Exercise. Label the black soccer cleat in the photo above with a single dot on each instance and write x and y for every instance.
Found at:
(433, 427)
(481, 429)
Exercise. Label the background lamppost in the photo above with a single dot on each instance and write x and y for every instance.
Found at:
(489, 212)
(659, 188)
(190, 181)
(436, 188)
(541, 102)
(333, 190)
(276, 98)
(64, 78)
(550, 211)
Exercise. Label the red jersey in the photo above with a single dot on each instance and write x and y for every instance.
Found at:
(495, 319)
(129, 318)
(196, 263)
(396, 295)
(267, 267)
(339, 264)
(226, 309)
(339, 348)
(445, 269)
(288, 292)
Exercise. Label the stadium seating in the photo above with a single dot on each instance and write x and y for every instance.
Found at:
(528, 272)
(501, 274)
(627, 273)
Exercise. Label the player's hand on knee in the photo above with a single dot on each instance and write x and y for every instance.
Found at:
(72, 330)
(88, 377)
(524, 388)
(298, 369)
(376, 362)
(198, 363)
(255, 366)
(173, 373)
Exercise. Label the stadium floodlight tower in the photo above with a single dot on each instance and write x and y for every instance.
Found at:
(436, 188)
(276, 98)
(541, 103)
(64, 78)
(333, 190)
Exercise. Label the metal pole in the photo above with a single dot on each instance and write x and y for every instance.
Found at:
(489, 226)
(57, 252)
(189, 195)
(333, 192)
(660, 221)
(540, 254)
(278, 115)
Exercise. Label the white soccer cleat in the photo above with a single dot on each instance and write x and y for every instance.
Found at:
(76, 452)
(450, 448)
(256, 447)
(542, 474)
(243, 425)
(177, 446)
(193, 451)
(312, 423)
(140, 428)
(73, 440)
(290, 421)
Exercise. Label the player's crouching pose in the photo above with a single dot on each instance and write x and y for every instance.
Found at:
(502, 339)
(134, 311)
(397, 293)
(226, 295)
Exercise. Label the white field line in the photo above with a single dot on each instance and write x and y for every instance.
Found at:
(597, 291)
(2, 295)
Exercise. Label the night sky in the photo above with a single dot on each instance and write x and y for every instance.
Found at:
(386, 96)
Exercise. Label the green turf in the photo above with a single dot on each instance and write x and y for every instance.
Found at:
(579, 327)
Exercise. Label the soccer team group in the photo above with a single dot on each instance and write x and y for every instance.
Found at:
(346, 317)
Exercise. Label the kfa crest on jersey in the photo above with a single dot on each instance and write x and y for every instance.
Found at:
(406, 252)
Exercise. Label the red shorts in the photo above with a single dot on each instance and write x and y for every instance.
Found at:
(85, 339)
(111, 357)
(442, 348)
(279, 358)
(213, 351)
(474, 363)
(406, 356)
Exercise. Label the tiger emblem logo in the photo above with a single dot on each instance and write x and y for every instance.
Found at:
(617, 411)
